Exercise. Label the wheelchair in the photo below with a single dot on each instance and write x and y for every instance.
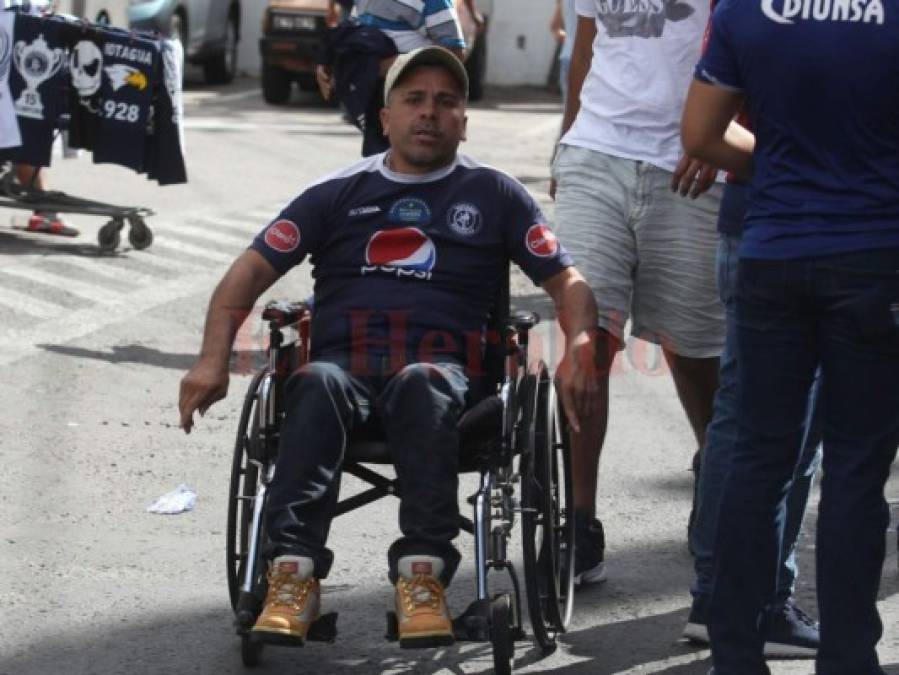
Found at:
(516, 438)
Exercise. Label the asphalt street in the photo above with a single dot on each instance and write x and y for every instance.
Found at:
(92, 348)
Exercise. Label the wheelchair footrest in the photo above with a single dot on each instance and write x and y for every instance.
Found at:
(323, 629)
(471, 626)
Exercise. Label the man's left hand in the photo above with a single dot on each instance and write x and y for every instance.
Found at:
(576, 380)
(693, 177)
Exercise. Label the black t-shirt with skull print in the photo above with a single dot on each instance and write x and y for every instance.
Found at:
(86, 71)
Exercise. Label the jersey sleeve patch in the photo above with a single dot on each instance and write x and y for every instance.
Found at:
(541, 241)
(283, 236)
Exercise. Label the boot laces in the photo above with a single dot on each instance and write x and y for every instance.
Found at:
(421, 593)
(287, 590)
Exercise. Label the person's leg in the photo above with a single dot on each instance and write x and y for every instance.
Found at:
(676, 301)
(800, 488)
(323, 403)
(45, 222)
(716, 452)
(777, 354)
(592, 220)
(420, 409)
(696, 381)
(860, 369)
(373, 139)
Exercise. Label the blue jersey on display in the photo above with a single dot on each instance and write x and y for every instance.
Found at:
(130, 66)
(37, 87)
(407, 264)
(821, 80)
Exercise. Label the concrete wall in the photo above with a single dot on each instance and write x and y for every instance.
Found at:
(248, 59)
(521, 48)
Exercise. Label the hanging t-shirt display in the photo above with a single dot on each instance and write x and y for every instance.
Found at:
(86, 72)
(165, 146)
(9, 126)
(37, 84)
(126, 95)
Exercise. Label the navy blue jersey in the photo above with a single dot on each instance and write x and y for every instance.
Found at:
(129, 71)
(821, 80)
(408, 265)
(164, 154)
(37, 85)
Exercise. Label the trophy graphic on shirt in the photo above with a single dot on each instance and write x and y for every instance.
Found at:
(36, 63)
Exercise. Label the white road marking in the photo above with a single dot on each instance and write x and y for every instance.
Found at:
(83, 289)
(26, 304)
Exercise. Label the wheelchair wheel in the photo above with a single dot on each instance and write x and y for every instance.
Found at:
(501, 634)
(546, 502)
(244, 477)
(250, 651)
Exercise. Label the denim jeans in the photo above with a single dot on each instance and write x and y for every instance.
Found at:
(794, 316)
(419, 408)
(719, 447)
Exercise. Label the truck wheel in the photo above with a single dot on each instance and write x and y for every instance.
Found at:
(221, 68)
(275, 85)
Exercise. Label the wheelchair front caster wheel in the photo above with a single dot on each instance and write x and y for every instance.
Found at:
(139, 235)
(250, 651)
(109, 237)
(501, 634)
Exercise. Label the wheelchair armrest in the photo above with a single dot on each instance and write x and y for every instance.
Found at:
(284, 313)
(522, 320)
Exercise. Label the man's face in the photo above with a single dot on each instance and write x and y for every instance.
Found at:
(424, 120)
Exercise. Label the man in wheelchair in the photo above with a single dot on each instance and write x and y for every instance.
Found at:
(408, 249)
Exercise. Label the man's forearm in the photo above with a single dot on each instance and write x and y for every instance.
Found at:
(231, 303)
(576, 309)
(574, 302)
(581, 60)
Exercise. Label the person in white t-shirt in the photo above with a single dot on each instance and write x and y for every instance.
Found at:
(648, 254)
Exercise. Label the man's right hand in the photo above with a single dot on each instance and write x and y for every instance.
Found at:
(325, 81)
(204, 384)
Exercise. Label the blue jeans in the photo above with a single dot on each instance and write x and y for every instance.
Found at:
(794, 316)
(719, 448)
(418, 408)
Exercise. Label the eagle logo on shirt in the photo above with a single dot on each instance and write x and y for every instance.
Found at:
(640, 18)
(121, 75)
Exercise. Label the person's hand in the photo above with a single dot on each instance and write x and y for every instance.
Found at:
(204, 384)
(325, 80)
(576, 380)
(478, 19)
(332, 17)
(692, 177)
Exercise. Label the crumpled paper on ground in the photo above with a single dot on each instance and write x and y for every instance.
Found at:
(179, 500)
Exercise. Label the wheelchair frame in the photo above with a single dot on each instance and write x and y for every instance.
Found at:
(527, 447)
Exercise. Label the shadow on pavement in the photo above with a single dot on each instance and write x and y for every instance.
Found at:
(243, 362)
(14, 242)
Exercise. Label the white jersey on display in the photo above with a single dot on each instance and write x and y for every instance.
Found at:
(643, 60)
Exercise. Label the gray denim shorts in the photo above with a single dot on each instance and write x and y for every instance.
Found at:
(647, 253)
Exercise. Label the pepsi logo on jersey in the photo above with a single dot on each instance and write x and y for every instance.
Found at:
(404, 252)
